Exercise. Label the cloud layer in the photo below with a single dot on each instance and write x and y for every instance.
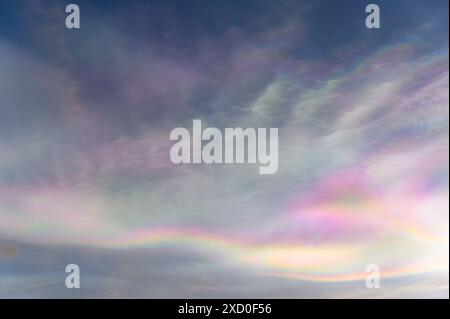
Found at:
(86, 177)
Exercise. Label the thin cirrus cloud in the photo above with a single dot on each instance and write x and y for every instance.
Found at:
(85, 172)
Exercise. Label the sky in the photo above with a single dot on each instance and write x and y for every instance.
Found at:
(363, 166)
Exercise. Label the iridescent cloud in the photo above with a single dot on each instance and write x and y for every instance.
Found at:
(363, 159)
